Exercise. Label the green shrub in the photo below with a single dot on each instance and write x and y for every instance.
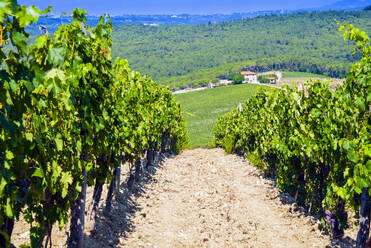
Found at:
(238, 79)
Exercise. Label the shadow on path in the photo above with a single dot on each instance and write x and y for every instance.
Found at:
(110, 227)
(287, 199)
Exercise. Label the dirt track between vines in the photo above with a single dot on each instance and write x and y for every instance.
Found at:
(205, 198)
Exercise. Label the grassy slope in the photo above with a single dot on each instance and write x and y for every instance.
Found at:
(208, 105)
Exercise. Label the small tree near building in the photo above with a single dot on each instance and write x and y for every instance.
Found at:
(231, 75)
(238, 79)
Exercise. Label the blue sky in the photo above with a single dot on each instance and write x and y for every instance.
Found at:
(119, 7)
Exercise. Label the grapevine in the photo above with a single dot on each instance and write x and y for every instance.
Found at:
(70, 118)
(314, 141)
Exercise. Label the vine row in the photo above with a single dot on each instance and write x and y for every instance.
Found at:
(70, 117)
(315, 141)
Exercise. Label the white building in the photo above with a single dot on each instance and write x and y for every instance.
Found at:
(225, 82)
(250, 77)
(272, 80)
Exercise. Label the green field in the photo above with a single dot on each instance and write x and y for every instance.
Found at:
(295, 74)
(207, 105)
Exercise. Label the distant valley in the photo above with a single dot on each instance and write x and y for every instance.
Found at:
(52, 22)
(347, 5)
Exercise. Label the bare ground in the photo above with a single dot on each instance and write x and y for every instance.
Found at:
(203, 198)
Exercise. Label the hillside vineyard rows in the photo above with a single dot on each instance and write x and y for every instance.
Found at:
(70, 117)
(73, 122)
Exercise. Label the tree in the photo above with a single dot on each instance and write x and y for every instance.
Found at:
(238, 79)
(231, 75)
(367, 7)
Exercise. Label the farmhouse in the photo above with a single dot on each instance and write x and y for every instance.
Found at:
(250, 77)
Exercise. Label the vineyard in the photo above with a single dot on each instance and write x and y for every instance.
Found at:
(315, 142)
(70, 118)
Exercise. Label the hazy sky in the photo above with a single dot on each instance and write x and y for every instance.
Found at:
(119, 7)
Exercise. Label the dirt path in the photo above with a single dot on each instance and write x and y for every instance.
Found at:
(204, 198)
(201, 198)
(205, 88)
(189, 90)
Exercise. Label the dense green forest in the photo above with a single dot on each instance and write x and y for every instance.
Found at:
(182, 55)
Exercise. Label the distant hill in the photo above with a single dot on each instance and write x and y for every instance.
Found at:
(347, 5)
(53, 22)
(308, 42)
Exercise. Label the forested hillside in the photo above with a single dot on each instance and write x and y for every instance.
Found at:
(304, 41)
